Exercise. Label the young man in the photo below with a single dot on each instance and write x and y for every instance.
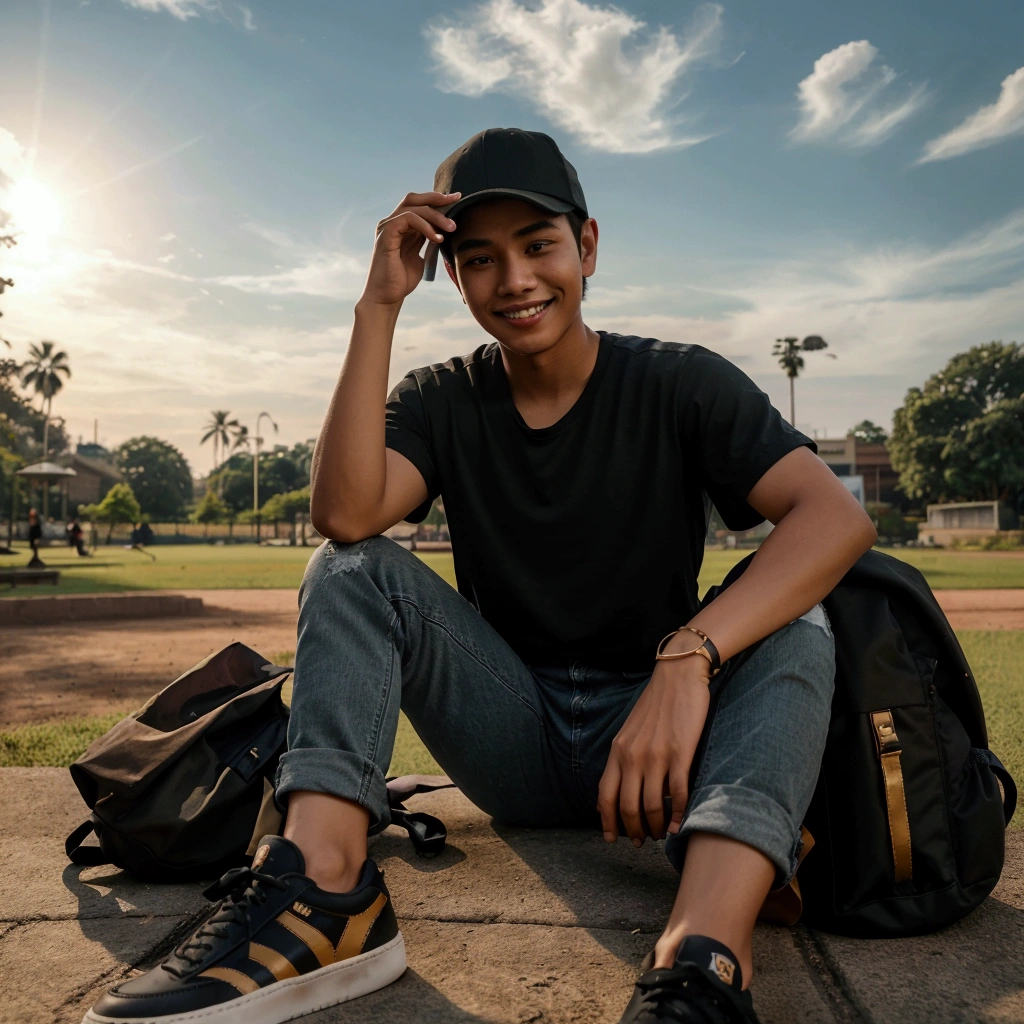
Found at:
(577, 469)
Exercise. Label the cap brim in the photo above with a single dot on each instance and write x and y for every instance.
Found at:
(545, 202)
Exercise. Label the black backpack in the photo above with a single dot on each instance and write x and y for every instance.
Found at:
(907, 818)
(182, 789)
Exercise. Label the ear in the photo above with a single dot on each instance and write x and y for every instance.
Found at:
(588, 247)
(451, 274)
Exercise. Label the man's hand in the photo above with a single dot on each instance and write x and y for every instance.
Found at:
(396, 266)
(651, 756)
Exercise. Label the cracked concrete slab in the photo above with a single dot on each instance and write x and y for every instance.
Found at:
(46, 965)
(969, 973)
(508, 925)
(491, 873)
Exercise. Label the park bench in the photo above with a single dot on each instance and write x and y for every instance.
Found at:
(19, 576)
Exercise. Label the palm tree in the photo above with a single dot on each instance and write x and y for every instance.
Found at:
(219, 428)
(242, 438)
(788, 350)
(42, 372)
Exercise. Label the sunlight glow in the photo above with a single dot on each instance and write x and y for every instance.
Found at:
(33, 208)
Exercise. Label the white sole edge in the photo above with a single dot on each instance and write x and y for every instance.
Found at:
(293, 997)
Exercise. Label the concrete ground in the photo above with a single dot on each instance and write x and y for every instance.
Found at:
(508, 926)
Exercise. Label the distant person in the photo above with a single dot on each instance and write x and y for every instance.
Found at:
(142, 534)
(35, 535)
(76, 538)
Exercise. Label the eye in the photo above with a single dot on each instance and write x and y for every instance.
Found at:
(475, 261)
(538, 245)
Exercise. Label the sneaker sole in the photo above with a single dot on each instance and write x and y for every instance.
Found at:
(293, 997)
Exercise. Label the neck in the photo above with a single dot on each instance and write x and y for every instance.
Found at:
(546, 384)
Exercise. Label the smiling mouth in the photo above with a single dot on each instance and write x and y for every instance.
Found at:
(523, 314)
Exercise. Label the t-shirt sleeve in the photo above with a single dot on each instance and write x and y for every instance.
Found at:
(406, 431)
(739, 435)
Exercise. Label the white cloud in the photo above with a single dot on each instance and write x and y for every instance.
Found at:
(169, 237)
(985, 126)
(248, 22)
(842, 99)
(169, 258)
(585, 68)
(14, 159)
(323, 272)
(180, 9)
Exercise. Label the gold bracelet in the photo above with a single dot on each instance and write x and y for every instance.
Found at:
(702, 650)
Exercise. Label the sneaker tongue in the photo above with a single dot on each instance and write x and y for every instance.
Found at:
(277, 856)
(714, 956)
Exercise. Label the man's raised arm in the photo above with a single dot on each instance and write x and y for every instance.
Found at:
(358, 487)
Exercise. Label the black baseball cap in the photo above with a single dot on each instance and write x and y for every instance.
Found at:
(510, 163)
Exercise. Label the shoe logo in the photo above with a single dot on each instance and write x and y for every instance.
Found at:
(723, 967)
(301, 908)
(261, 855)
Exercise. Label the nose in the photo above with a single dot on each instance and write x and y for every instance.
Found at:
(517, 276)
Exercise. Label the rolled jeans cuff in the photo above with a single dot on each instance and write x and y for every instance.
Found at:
(746, 815)
(338, 773)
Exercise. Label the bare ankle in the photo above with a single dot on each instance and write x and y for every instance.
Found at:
(332, 875)
(331, 833)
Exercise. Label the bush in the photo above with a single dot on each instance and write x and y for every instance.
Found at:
(282, 507)
(119, 506)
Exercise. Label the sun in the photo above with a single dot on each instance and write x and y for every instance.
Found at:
(33, 208)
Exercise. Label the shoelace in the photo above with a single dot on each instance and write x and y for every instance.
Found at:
(245, 888)
(702, 1003)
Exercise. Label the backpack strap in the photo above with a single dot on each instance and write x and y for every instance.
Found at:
(89, 856)
(1005, 779)
(427, 833)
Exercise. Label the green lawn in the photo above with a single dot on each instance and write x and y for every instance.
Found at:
(244, 566)
(997, 659)
(180, 567)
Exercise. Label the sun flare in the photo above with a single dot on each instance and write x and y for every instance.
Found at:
(33, 208)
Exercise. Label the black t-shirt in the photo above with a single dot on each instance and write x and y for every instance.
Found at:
(583, 540)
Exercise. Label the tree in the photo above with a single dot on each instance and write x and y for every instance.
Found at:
(21, 425)
(209, 510)
(959, 438)
(6, 242)
(280, 472)
(788, 350)
(118, 506)
(158, 474)
(282, 507)
(242, 438)
(219, 429)
(42, 372)
(869, 433)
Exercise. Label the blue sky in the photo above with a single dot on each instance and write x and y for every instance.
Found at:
(198, 183)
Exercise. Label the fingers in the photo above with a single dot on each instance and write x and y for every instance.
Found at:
(608, 799)
(630, 789)
(678, 788)
(427, 199)
(654, 802)
(426, 222)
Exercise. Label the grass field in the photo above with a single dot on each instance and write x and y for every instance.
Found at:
(996, 657)
(245, 566)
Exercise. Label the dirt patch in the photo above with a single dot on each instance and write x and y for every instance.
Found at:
(92, 668)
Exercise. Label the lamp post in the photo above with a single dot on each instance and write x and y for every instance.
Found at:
(256, 471)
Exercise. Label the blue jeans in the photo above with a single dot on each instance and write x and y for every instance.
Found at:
(378, 630)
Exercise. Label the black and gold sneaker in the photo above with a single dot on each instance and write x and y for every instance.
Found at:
(703, 986)
(275, 947)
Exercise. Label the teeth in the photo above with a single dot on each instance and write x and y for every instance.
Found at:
(521, 313)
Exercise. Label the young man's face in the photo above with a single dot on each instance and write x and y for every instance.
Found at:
(521, 272)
